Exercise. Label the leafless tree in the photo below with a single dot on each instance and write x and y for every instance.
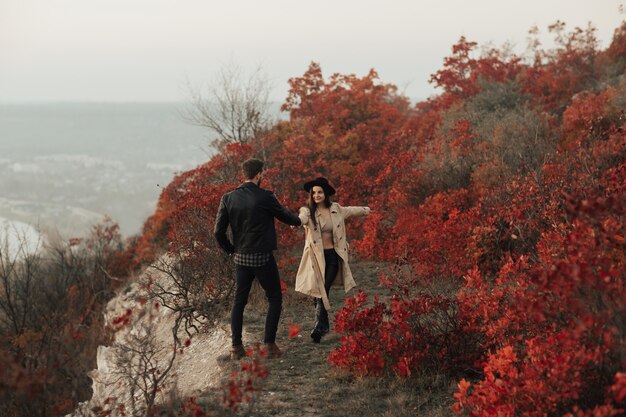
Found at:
(51, 297)
(196, 286)
(235, 107)
(140, 362)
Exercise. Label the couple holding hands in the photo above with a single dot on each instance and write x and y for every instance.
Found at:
(250, 211)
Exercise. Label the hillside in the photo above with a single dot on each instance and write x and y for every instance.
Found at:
(498, 211)
(303, 383)
(299, 383)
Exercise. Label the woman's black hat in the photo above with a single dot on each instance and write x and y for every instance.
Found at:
(320, 182)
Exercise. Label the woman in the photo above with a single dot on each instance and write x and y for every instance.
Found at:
(325, 257)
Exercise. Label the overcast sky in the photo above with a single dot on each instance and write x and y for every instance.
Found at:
(144, 50)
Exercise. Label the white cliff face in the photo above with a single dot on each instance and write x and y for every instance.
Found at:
(18, 239)
(144, 330)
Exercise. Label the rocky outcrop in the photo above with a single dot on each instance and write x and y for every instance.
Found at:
(141, 351)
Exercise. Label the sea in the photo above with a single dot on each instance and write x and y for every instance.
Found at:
(65, 166)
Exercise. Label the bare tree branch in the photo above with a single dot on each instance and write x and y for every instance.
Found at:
(235, 107)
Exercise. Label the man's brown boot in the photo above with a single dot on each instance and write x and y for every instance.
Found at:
(273, 351)
(237, 352)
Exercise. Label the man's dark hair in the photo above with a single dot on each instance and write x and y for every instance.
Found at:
(251, 167)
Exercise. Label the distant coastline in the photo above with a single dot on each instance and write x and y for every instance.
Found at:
(62, 161)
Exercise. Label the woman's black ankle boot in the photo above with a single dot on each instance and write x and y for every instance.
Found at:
(317, 332)
(316, 335)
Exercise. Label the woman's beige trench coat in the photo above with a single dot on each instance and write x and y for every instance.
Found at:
(310, 277)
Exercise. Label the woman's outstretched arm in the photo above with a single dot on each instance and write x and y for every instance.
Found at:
(355, 211)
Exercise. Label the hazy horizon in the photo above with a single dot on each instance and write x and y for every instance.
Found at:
(146, 51)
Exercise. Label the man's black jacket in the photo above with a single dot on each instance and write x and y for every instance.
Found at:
(250, 212)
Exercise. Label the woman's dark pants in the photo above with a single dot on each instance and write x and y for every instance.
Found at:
(331, 259)
(270, 282)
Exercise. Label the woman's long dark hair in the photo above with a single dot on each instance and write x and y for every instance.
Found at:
(313, 205)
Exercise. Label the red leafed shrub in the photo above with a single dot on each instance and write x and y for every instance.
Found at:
(559, 320)
(234, 397)
(461, 74)
(592, 116)
(558, 74)
(361, 326)
(540, 311)
(500, 202)
(412, 333)
(531, 382)
(242, 385)
(434, 235)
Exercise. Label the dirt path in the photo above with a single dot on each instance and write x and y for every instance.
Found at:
(302, 383)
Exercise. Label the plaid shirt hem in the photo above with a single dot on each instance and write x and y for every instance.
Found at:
(253, 260)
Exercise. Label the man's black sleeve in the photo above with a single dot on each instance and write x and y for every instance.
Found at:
(281, 213)
(221, 226)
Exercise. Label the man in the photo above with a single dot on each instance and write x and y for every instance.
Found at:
(250, 212)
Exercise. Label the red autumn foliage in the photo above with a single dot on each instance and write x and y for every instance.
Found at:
(294, 330)
(564, 311)
(462, 72)
(500, 202)
(558, 74)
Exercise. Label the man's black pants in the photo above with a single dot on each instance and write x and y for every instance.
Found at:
(270, 282)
